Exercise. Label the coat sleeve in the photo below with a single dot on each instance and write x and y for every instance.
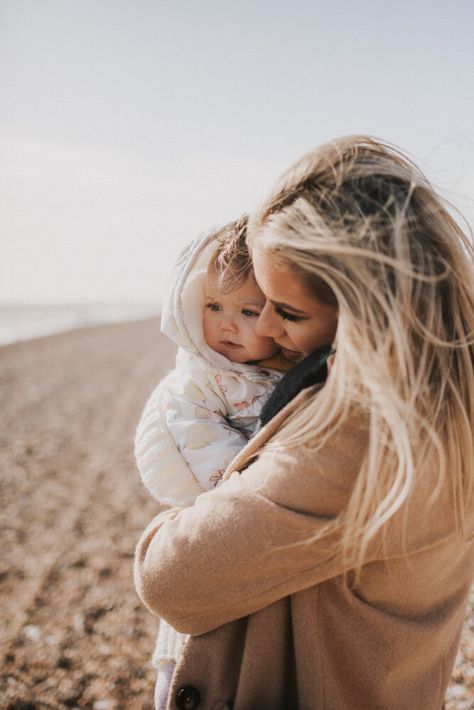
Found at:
(262, 535)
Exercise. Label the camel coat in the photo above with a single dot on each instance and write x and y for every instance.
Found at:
(247, 572)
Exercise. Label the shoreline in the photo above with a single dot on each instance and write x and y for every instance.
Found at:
(19, 324)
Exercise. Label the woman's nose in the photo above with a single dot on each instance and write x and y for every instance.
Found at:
(268, 323)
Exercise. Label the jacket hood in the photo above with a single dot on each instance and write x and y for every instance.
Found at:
(183, 306)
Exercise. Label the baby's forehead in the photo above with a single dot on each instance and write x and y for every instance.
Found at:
(247, 292)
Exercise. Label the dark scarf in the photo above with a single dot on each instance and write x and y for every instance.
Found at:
(310, 371)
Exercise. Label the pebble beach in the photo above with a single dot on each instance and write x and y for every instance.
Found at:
(73, 633)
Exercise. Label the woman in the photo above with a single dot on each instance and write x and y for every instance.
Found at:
(332, 567)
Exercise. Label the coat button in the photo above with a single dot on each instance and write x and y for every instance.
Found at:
(188, 698)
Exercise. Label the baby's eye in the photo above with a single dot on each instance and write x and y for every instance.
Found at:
(249, 313)
(213, 306)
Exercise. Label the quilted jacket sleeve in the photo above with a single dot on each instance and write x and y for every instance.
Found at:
(203, 436)
(162, 467)
(183, 442)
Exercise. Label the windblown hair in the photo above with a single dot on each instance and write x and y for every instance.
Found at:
(232, 260)
(360, 225)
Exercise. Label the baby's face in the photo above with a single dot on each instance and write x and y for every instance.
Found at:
(229, 321)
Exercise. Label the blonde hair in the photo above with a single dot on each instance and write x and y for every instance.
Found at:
(357, 222)
(231, 260)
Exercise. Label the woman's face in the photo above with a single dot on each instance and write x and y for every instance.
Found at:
(297, 322)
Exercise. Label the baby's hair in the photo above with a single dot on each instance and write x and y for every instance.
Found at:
(232, 260)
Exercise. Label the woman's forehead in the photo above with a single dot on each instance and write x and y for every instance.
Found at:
(272, 275)
(281, 284)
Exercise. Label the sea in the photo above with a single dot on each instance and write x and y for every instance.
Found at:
(26, 322)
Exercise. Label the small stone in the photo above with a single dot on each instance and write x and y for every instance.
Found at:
(78, 622)
(456, 690)
(64, 662)
(468, 673)
(102, 705)
(53, 639)
(32, 633)
(79, 563)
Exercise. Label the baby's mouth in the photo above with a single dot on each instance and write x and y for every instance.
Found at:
(229, 343)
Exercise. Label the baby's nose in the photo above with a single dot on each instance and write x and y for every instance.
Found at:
(228, 324)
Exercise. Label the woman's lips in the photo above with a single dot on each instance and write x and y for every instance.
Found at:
(293, 355)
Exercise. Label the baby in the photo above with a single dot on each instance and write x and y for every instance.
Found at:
(206, 409)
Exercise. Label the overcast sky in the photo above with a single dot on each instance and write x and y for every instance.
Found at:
(128, 126)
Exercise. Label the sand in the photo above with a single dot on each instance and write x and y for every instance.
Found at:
(73, 633)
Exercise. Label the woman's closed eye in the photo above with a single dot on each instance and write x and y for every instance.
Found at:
(287, 316)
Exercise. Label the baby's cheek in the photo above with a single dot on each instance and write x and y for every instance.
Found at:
(208, 330)
(250, 328)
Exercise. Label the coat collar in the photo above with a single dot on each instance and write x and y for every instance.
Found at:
(250, 451)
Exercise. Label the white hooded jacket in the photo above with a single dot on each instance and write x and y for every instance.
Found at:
(205, 410)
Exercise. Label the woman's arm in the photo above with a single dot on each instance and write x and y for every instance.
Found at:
(259, 537)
